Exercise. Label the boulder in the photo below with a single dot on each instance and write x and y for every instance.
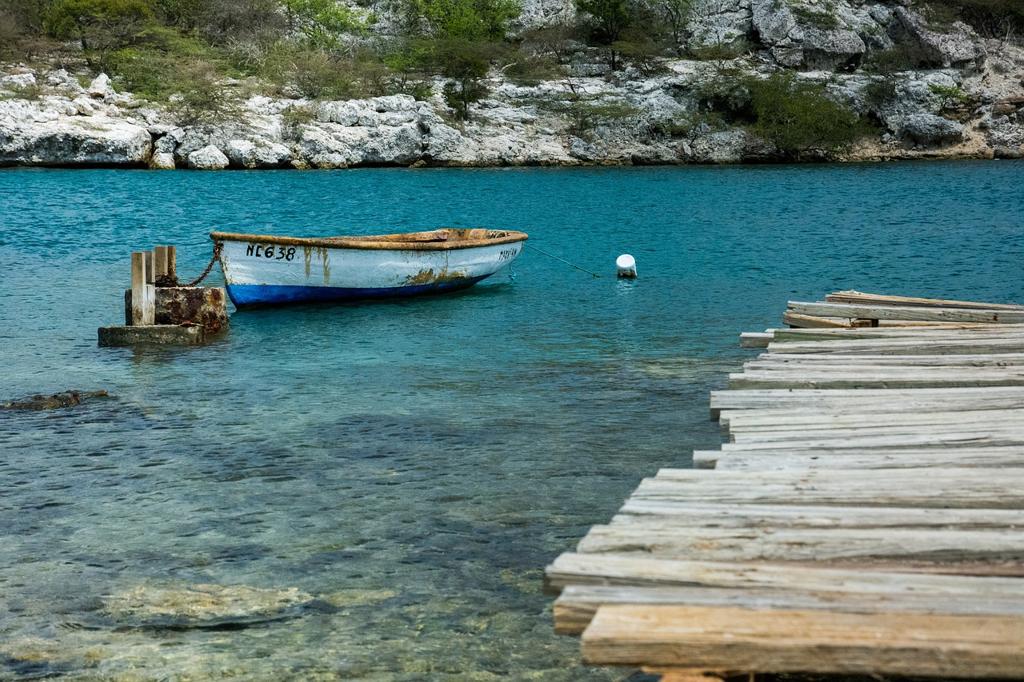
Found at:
(773, 22)
(162, 161)
(64, 80)
(18, 80)
(714, 23)
(100, 87)
(960, 46)
(207, 158)
(724, 146)
(83, 106)
(931, 130)
(829, 49)
(248, 154)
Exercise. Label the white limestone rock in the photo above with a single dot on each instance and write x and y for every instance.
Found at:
(960, 46)
(100, 87)
(719, 23)
(262, 154)
(83, 106)
(207, 158)
(32, 134)
(17, 80)
(931, 130)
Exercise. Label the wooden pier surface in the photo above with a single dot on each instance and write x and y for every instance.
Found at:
(865, 517)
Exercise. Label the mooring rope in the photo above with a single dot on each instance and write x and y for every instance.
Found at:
(551, 255)
(217, 246)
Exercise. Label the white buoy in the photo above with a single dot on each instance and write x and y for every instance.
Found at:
(626, 266)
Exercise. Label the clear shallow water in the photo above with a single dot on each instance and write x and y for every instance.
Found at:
(413, 465)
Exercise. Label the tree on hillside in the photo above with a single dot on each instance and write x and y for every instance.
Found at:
(676, 18)
(462, 38)
(610, 18)
(99, 25)
(321, 21)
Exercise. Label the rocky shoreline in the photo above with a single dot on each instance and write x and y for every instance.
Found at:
(971, 106)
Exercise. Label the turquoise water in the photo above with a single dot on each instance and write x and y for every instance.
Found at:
(411, 466)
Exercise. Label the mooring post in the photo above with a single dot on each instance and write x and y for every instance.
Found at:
(143, 292)
(150, 267)
(159, 263)
(172, 263)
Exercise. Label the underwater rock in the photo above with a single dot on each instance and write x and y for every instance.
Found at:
(357, 597)
(53, 402)
(203, 605)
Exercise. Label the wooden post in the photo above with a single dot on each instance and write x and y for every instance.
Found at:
(172, 263)
(150, 267)
(143, 293)
(159, 263)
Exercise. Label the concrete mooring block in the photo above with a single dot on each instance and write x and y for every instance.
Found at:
(204, 306)
(152, 334)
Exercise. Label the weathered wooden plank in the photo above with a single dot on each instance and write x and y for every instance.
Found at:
(862, 298)
(877, 363)
(889, 312)
(572, 568)
(727, 515)
(911, 546)
(807, 641)
(877, 435)
(812, 322)
(577, 604)
(754, 339)
(924, 377)
(958, 487)
(996, 397)
(887, 441)
(951, 457)
(903, 346)
(930, 331)
(771, 420)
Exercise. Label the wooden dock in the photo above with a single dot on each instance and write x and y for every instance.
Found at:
(865, 517)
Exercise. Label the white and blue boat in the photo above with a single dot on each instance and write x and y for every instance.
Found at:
(262, 270)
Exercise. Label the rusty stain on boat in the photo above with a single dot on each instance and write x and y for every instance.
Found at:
(323, 255)
(325, 260)
(428, 277)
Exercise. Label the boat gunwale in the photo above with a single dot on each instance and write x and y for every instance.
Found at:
(379, 242)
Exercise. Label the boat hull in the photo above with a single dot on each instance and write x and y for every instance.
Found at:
(261, 273)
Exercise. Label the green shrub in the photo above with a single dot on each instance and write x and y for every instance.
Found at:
(880, 92)
(528, 69)
(816, 18)
(294, 118)
(728, 94)
(587, 112)
(642, 51)
(153, 67)
(203, 99)
(720, 51)
(798, 117)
